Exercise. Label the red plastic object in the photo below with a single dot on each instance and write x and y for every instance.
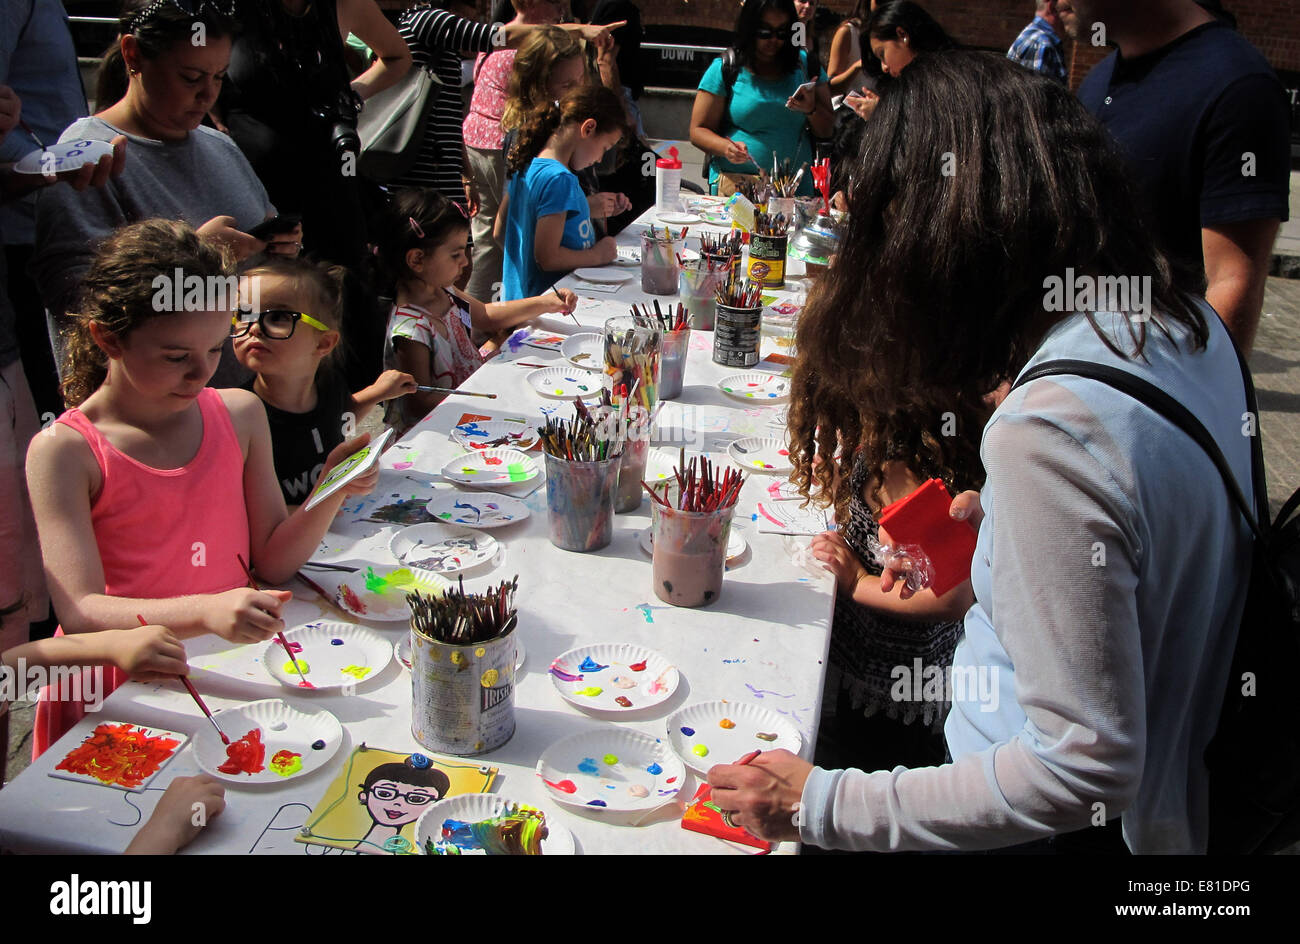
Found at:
(922, 519)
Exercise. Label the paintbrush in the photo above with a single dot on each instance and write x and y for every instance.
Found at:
(557, 294)
(280, 635)
(35, 137)
(464, 393)
(527, 364)
(194, 693)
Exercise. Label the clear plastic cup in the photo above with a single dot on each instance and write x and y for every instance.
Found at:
(672, 363)
(580, 502)
(690, 554)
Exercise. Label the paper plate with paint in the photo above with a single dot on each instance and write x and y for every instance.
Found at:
(722, 732)
(614, 677)
(489, 468)
(604, 276)
(489, 824)
(402, 650)
(331, 656)
(270, 742)
(63, 157)
(476, 510)
(120, 755)
(611, 769)
(736, 542)
(660, 464)
(628, 256)
(760, 454)
(442, 549)
(585, 350)
(756, 385)
(378, 592)
(564, 383)
(495, 434)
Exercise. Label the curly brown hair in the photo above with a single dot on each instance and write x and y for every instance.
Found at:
(578, 104)
(118, 292)
(531, 76)
(977, 181)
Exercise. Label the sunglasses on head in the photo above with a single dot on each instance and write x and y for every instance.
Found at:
(274, 323)
(766, 32)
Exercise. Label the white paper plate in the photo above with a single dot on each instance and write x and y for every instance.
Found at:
(333, 655)
(756, 385)
(780, 419)
(610, 671)
(63, 157)
(575, 770)
(476, 509)
(564, 383)
(604, 276)
(442, 549)
(736, 542)
(760, 454)
(628, 256)
(402, 650)
(491, 467)
(585, 350)
(281, 728)
(378, 591)
(659, 465)
(704, 722)
(476, 807)
(495, 434)
(677, 219)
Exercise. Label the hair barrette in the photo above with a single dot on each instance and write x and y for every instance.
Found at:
(415, 226)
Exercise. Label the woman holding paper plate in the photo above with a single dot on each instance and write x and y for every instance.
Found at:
(1095, 659)
(759, 100)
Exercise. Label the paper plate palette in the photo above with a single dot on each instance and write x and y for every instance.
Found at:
(402, 650)
(476, 510)
(736, 542)
(759, 454)
(292, 743)
(660, 464)
(722, 732)
(491, 467)
(628, 256)
(440, 548)
(755, 385)
(495, 434)
(63, 157)
(611, 769)
(677, 219)
(614, 677)
(378, 592)
(476, 807)
(564, 383)
(606, 276)
(332, 655)
(585, 350)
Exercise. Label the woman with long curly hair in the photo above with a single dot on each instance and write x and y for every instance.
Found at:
(1107, 574)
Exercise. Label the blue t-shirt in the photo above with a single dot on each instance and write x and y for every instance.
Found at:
(1203, 122)
(544, 188)
(758, 118)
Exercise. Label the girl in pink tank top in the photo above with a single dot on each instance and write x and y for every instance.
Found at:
(149, 490)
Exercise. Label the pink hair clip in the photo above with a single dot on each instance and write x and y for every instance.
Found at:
(415, 226)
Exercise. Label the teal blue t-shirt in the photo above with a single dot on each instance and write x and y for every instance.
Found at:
(758, 118)
(544, 188)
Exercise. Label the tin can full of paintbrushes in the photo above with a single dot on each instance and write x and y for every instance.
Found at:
(463, 696)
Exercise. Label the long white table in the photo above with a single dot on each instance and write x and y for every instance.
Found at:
(764, 641)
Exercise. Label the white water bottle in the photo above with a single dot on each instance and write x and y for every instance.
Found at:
(668, 183)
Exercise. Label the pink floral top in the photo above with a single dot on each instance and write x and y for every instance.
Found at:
(482, 126)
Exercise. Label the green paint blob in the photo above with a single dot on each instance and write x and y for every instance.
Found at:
(302, 664)
(517, 471)
(611, 759)
(699, 750)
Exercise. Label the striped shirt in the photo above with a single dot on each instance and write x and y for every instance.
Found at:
(436, 39)
(1039, 48)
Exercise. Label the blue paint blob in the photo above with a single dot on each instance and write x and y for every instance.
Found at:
(588, 766)
(597, 803)
(591, 665)
(318, 745)
(654, 769)
(336, 642)
(689, 732)
(420, 762)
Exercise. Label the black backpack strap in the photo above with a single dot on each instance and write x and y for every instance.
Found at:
(1165, 405)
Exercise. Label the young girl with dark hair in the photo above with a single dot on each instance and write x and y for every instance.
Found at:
(547, 222)
(423, 255)
(1108, 569)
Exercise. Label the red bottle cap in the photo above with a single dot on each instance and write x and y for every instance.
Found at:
(670, 162)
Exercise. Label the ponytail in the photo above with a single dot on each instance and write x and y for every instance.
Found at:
(594, 102)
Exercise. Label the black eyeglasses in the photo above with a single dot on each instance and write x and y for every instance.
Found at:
(766, 32)
(275, 323)
(414, 798)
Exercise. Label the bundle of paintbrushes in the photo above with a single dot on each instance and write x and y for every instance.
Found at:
(699, 486)
(632, 358)
(785, 179)
(731, 244)
(465, 619)
(821, 172)
(666, 319)
(770, 224)
(740, 293)
(580, 439)
(754, 189)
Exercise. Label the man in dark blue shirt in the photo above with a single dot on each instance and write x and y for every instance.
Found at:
(1204, 123)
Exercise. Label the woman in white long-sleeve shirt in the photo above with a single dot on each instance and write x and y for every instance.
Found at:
(1109, 569)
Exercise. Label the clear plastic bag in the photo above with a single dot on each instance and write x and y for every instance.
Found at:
(906, 560)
